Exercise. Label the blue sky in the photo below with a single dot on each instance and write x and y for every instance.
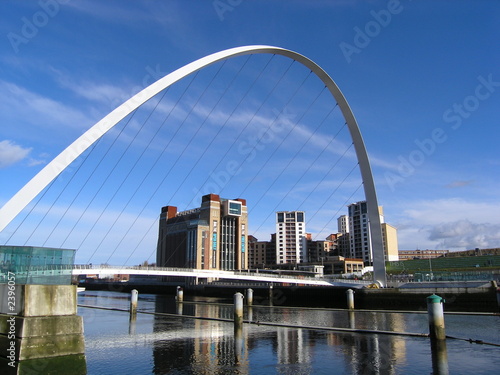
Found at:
(422, 78)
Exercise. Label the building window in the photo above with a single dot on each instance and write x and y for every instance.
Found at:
(214, 250)
(235, 208)
(203, 239)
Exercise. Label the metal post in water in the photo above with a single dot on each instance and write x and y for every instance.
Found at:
(134, 296)
(180, 294)
(249, 296)
(350, 299)
(270, 294)
(238, 310)
(436, 317)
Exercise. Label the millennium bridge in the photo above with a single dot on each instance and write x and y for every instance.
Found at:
(248, 276)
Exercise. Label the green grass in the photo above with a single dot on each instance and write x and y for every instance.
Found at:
(452, 264)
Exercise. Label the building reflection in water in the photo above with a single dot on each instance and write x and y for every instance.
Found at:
(199, 346)
(373, 353)
(211, 347)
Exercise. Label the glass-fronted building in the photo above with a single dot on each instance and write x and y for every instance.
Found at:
(36, 265)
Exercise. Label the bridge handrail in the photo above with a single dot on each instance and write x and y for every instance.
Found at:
(150, 268)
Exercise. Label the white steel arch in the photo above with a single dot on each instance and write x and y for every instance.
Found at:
(41, 180)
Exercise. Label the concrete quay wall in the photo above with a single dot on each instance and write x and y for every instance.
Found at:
(38, 300)
(456, 299)
(39, 329)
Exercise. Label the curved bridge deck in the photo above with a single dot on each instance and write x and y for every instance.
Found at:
(216, 274)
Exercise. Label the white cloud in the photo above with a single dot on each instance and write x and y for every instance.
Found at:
(38, 109)
(11, 153)
(97, 92)
(465, 234)
(171, 21)
(434, 212)
(34, 162)
(455, 224)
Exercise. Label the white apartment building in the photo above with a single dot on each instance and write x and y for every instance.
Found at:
(291, 244)
(343, 224)
(359, 232)
(360, 244)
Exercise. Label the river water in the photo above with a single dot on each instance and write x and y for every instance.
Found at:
(156, 344)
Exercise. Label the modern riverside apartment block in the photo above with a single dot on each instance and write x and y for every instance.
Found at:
(291, 244)
(354, 227)
(212, 236)
(261, 254)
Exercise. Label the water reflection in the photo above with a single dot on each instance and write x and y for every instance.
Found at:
(163, 344)
(132, 324)
(352, 319)
(217, 347)
(199, 346)
(439, 357)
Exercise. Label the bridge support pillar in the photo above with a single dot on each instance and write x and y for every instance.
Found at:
(40, 330)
